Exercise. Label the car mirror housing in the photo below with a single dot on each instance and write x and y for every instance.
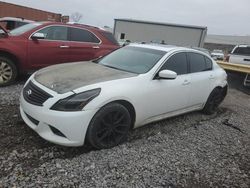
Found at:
(37, 36)
(167, 74)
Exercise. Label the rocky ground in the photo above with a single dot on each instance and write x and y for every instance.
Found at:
(192, 150)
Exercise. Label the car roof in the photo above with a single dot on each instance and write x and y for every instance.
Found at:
(161, 47)
(243, 46)
(85, 26)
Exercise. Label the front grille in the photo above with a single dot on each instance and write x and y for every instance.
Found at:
(35, 95)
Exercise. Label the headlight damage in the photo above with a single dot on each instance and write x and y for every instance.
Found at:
(76, 102)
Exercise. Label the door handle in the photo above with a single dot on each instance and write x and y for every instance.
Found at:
(96, 47)
(186, 82)
(63, 46)
(246, 59)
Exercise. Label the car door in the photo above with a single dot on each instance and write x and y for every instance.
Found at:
(201, 78)
(84, 45)
(168, 96)
(52, 49)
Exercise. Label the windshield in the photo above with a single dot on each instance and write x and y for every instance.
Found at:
(218, 51)
(24, 28)
(132, 59)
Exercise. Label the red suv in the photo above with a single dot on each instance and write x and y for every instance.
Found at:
(41, 44)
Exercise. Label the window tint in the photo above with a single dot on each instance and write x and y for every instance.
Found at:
(55, 33)
(110, 37)
(242, 51)
(10, 25)
(209, 64)
(177, 63)
(197, 62)
(81, 35)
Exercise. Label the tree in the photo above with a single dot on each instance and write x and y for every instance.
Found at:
(76, 17)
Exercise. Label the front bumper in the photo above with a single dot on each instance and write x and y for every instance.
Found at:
(63, 128)
(218, 57)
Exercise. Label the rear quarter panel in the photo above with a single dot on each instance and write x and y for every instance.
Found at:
(220, 77)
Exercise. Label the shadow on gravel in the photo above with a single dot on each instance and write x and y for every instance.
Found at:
(23, 78)
(175, 125)
(21, 145)
(235, 81)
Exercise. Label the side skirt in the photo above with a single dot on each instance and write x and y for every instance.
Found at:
(170, 114)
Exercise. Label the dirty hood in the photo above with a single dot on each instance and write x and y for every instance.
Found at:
(63, 78)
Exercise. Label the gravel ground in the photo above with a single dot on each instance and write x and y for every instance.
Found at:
(191, 150)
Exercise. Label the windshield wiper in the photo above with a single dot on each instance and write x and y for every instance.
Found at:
(112, 67)
(119, 69)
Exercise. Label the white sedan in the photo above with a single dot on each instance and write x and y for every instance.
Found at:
(100, 101)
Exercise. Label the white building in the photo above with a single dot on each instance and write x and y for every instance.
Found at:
(173, 34)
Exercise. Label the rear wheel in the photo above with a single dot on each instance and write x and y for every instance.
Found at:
(214, 100)
(8, 71)
(109, 127)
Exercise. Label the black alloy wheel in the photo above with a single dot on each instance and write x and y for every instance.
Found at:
(109, 127)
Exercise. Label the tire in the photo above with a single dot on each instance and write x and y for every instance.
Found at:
(109, 127)
(8, 71)
(214, 100)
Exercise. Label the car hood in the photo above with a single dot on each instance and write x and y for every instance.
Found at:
(66, 77)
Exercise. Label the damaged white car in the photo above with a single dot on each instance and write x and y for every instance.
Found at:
(100, 101)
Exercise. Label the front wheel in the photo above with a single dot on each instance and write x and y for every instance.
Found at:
(8, 71)
(109, 127)
(214, 100)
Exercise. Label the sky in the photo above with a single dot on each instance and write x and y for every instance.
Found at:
(223, 17)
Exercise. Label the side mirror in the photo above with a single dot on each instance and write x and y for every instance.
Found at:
(167, 74)
(37, 36)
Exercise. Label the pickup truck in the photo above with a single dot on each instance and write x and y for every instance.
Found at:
(240, 55)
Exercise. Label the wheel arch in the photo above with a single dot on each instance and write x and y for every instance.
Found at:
(11, 56)
(127, 105)
(224, 89)
(220, 87)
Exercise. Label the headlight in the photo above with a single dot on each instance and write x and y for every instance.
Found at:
(76, 102)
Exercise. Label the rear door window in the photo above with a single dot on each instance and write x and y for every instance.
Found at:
(177, 63)
(82, 35)
(197, 62)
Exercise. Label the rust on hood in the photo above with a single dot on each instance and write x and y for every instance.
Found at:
(66, 77)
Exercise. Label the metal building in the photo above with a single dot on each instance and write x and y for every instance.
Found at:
(145, 31)
(12, 10)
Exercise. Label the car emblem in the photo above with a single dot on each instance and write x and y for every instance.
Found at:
(29, 92)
